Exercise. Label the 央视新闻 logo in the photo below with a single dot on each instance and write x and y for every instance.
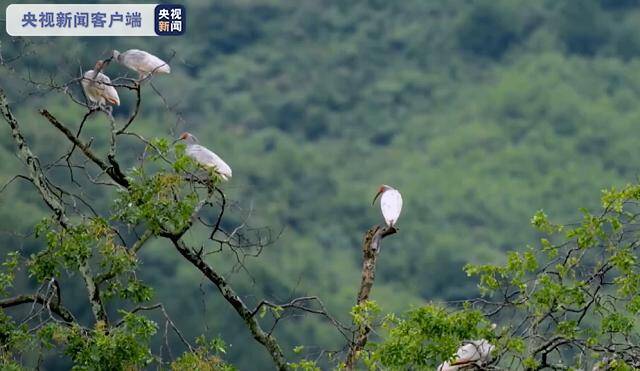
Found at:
(170, 19)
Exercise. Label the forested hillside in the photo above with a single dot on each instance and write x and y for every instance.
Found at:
(480, 112)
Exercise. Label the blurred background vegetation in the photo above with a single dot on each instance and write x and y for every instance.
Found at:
(481, 112)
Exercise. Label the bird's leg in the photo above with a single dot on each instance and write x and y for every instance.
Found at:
(391, 229)
(142, 76)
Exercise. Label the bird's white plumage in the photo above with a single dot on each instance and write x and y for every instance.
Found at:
(391, 206)
(477, 350)
(207, 158)
(142, 62)
(96, 90)
(472, 353)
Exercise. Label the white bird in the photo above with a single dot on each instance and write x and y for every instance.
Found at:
(205, 157)
(142, 62)
(93, 83)
(390, 204)
(473, 353)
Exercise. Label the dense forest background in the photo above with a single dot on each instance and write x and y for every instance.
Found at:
(480, 112)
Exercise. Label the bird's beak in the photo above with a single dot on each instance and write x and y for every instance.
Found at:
(181, 137)
(376, 197)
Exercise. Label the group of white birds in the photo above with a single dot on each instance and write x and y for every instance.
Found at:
(101, 91)
(98, 87)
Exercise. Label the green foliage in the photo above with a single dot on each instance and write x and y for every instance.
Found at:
(580, 295)
(14, 338)
(541, 222)
(152, 201)
(121, 348)
(489, 29)
(583, 26)
(206, 357)
(164, 199)
(365, 313)
(69, 248)
(426, 336)
(305, 365)
(133, 289)
(570, 282)
(493, 276)
(7, 275)
(9, 364)
(480, 112)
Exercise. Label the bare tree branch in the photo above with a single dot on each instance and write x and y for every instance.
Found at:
(113, 171)
(371, 246)
(54, 307)
(39, 181)
(267, 340)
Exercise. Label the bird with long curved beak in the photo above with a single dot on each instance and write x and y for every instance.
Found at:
(205, 157)
(97, 86)
(390, 204)
(144, 63)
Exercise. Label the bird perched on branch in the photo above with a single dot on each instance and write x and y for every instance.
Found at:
(142, 62)
(390, 204)
(473, 353)
(205, 157)
(97, 88)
